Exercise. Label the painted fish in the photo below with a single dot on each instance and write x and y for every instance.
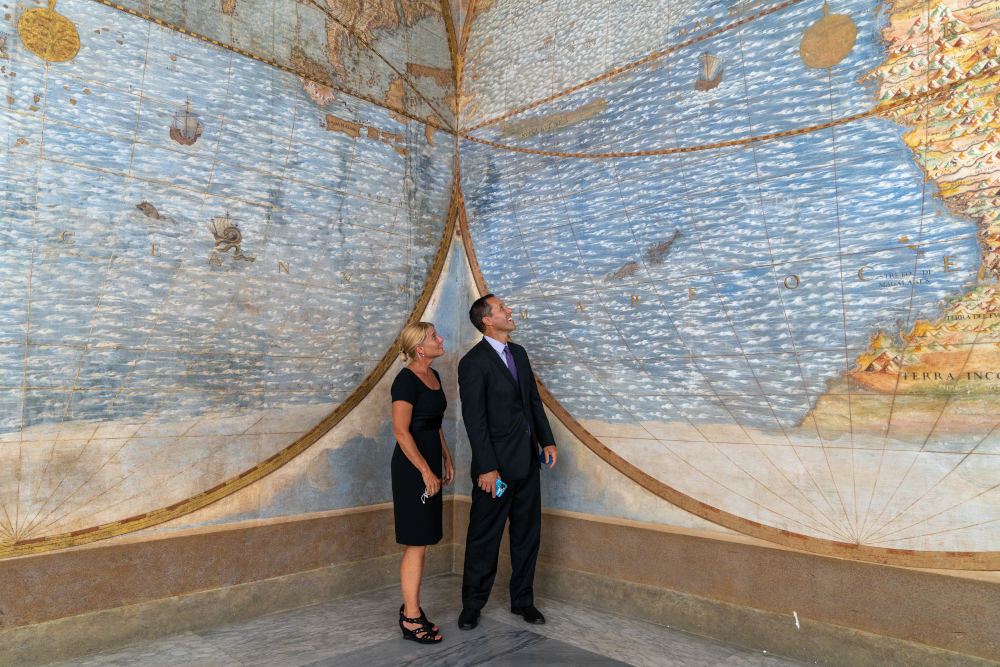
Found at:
(624, 271)
(658, 253)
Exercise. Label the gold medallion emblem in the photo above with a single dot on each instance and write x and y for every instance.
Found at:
(49, 35)
(829, 40)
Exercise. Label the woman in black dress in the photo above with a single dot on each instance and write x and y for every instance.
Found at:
(418, 405)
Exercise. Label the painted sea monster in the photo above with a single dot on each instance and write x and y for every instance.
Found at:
(659, 252)
(149, 210)
(227, 235)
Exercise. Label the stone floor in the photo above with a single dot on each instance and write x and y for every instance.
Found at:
(362, 631)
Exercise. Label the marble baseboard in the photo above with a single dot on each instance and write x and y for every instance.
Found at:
(947, 610)
(140, 568)
(730, 589)
(87, 634)
(814, 642)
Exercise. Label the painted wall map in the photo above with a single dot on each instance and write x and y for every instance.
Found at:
(774, 288)
(393, 54)
(200, 261)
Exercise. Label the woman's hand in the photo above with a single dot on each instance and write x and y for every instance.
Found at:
(432, 483)
(449, 469)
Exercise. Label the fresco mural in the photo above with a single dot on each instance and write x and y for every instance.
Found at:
(201, 261)
(393, 54)
(349, 466)
(753, 251)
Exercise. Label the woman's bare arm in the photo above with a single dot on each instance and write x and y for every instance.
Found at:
(449, 468)
(402, 412)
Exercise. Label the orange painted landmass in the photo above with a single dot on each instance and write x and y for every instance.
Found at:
(430, 128)
(363, 18)
(534, 126)
(443, 77)
(394, 98)
(955, 140)
(334, 124)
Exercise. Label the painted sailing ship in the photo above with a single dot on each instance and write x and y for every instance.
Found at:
(711, 75)
(186, 128)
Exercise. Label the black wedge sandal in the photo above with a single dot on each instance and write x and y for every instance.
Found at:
(423, 618)
(421, 635)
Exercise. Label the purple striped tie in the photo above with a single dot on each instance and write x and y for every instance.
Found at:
(509, 358)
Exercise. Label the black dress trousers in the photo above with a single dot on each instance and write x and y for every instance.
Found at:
(522, 504)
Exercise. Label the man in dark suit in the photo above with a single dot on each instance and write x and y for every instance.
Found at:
(506, 424)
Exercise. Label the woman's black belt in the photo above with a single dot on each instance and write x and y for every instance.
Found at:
(425, 423)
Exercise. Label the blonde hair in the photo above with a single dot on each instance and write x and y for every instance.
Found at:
(412, 335)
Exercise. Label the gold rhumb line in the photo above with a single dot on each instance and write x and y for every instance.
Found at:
(876, 111)
(652, 58)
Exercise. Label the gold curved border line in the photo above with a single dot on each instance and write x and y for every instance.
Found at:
(259, 471)
(950, 560)
(456, 68)
(875, 111)
(463, 43)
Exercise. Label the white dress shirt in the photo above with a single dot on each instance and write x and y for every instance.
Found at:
(498, 346)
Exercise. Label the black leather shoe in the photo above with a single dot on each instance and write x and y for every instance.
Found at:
(468, 619)
(529, 613)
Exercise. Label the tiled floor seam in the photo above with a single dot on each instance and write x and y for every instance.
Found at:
(221, 650)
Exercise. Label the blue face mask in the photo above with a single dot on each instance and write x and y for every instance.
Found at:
(501, 487)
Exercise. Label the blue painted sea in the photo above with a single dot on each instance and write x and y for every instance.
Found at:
(120, 322)
(757, 302)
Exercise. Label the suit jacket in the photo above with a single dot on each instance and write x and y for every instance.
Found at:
(498, 412)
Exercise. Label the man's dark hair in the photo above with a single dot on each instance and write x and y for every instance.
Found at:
(479, 310)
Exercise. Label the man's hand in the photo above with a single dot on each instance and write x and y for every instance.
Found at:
(551, 454)
(488, 482)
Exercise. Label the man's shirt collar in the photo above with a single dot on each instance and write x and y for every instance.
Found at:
(496, 345)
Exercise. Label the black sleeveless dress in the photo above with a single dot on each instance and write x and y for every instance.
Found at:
(418, 524)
